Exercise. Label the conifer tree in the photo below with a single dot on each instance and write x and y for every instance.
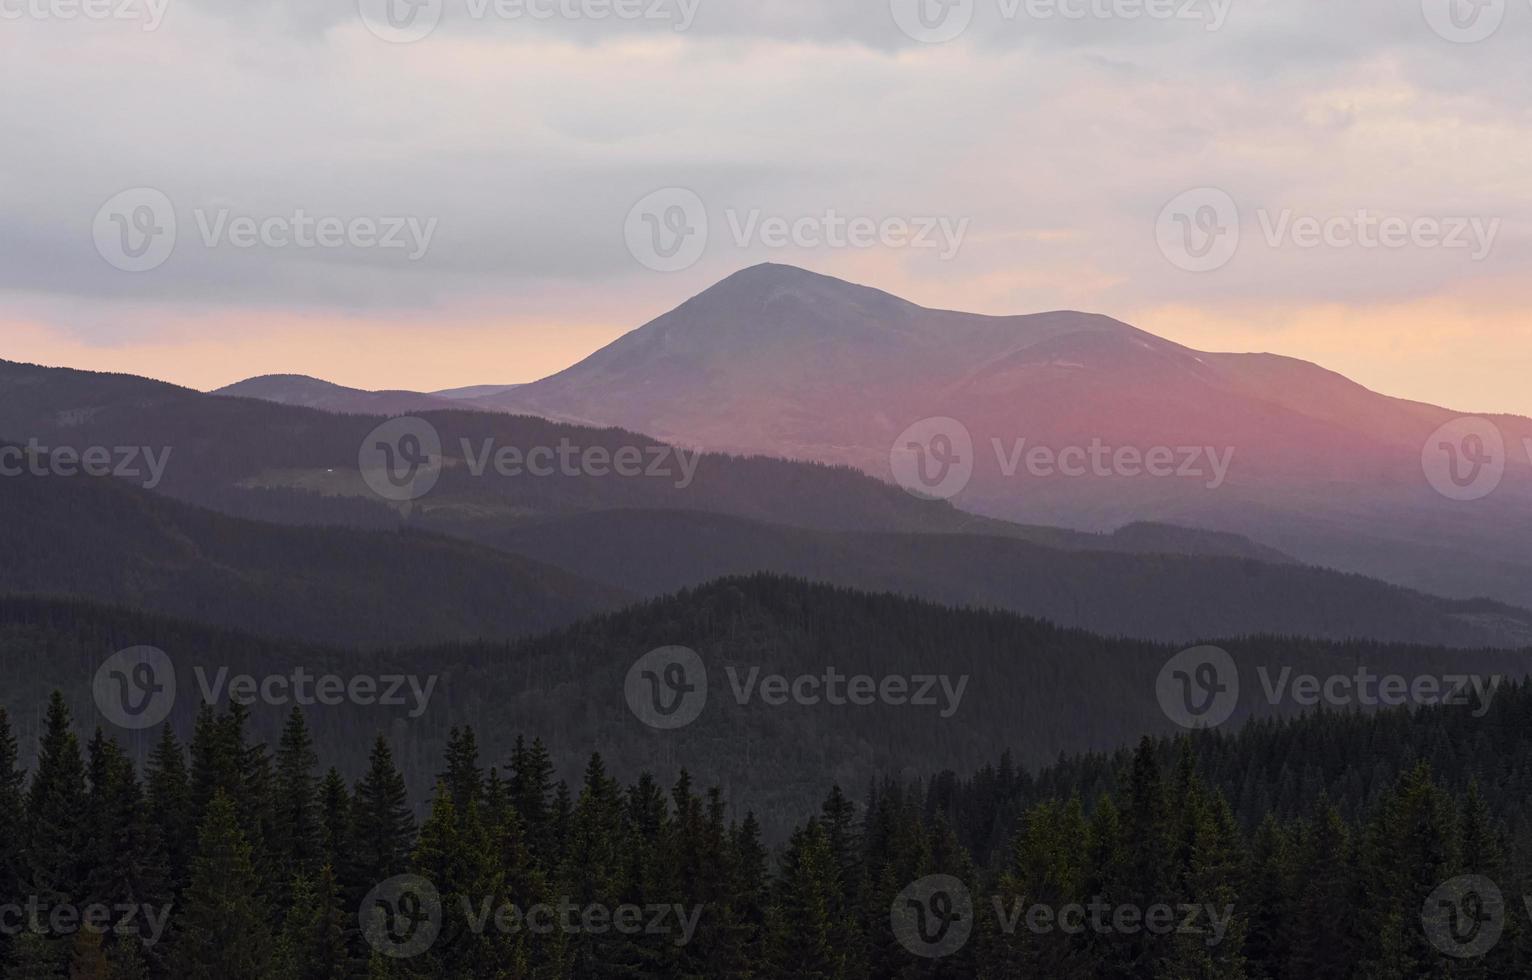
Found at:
(1322, 943)
(56, 812)
(170, 807)
(214, 768)
(531, 789)
(13, 825)
(37, 957)
(299, 831)
(843, 837)
(751, 892)
(382, 825)
(804, 941)
(590, 874)
(225, 929)
(312, 945)
(335, 818)
(463, 777)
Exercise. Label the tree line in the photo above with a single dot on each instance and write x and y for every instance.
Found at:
(227, 858)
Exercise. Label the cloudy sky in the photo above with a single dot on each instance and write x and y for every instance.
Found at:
(391, 193)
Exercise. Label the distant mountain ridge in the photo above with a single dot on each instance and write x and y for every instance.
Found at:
(1029, 688)
(105, 540)
(1154, 594)
(289, 465)
(256, 458)
(307, 392)
(782, 361)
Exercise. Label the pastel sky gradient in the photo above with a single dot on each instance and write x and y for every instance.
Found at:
(1059, 140)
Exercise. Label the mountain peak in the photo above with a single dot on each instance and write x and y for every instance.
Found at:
(267, 381)
(308, 392)
(775, 273)
(771, 281)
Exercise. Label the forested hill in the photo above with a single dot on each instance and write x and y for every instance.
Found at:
(995, 682)
(246, 862)
(417, 582)
(1158, 596)
(108, 541)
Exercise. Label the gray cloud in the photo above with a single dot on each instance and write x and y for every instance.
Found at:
(527, 142)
